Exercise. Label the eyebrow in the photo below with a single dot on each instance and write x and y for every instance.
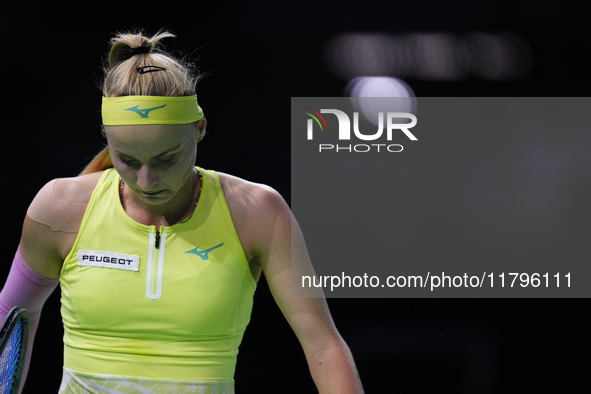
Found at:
(164, 153)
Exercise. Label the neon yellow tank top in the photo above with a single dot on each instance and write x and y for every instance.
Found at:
(178, 311)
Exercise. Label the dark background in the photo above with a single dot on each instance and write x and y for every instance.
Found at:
(256, 56)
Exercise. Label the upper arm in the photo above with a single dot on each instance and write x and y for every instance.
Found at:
(52, 222)
(38, 248)
(282, 253)
(39, 244)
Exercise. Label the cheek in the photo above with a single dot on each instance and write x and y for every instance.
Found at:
(189, 158)
(178, 174)
(128, 177)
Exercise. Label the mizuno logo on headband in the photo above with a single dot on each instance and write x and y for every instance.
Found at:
(144, 112)
(124, 110)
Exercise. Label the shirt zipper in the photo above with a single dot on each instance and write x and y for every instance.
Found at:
(155, 265)
(157, 243)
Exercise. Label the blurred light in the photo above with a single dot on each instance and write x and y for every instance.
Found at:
(361, 54)
(429, 56)
(385, 94)
(378, 87)
(437, 57)
(504, 56)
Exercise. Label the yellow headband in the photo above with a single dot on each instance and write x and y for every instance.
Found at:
(137, 110)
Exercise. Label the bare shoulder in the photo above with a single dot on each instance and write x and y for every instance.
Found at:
(52, 222)
(251, 195)
(74, 190)
(62, 202)
(257, 211)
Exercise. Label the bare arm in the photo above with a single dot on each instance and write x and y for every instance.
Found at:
(47, 237)
(30, 285)
(280, 249)
(52, 222)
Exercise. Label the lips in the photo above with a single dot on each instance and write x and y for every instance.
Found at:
(152, 194)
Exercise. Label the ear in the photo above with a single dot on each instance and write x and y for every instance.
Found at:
(201, 127)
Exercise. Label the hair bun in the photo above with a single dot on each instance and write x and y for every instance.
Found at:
(140, 50)
(126, 45)
(129, 75)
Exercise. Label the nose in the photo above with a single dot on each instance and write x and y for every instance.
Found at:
(146, 178)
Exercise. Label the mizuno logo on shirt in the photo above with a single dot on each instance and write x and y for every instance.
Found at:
(144, 112)
(204, 254)
(94, 258)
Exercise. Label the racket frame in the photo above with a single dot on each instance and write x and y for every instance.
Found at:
(8, 326)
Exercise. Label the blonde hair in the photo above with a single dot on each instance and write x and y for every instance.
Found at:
(123, 76)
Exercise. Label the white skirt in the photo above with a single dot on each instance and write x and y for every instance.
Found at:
(74, 382)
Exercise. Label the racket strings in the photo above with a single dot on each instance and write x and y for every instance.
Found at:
(9, 359)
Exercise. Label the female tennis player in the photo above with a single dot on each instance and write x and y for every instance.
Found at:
(157, 259)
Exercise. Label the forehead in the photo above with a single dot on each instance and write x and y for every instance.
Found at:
(148, 140)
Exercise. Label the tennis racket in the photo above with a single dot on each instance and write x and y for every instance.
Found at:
(14, 335)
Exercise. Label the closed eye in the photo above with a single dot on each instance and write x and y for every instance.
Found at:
(129, 162)
(167, 161)
(163, 161)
